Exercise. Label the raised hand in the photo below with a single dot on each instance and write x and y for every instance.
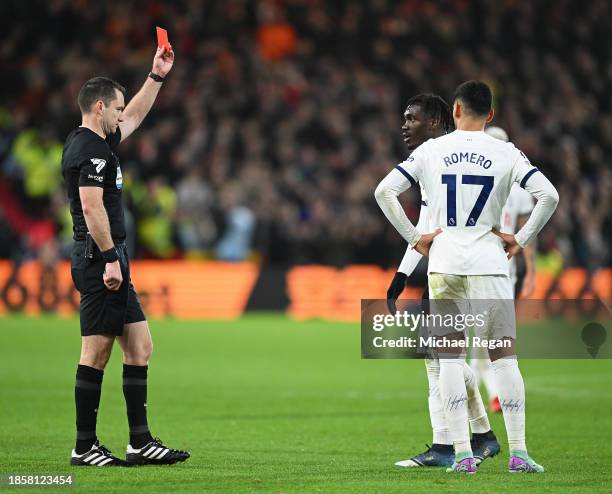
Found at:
(163, 61)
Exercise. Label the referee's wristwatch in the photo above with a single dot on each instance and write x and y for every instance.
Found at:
(110, 255)
(155, 77)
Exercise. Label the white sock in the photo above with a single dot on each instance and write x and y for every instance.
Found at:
(512, 399)
(481, 365)
(477, 415)
(488, 378)
(436, 410)
(475, 366)
(454, 399)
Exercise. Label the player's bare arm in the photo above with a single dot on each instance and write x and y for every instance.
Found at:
(98, 226)
(139, 106)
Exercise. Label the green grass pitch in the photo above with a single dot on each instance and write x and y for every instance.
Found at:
(265, 404)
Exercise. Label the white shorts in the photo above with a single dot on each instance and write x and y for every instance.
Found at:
(471, 287)
(489, 299)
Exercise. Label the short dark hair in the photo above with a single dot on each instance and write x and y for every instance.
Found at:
(476, 97)
(98, 88)
(435, 108)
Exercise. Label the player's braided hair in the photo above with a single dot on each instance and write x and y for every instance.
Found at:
(435, 108)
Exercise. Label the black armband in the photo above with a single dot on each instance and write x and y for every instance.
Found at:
(155, 77)
(110, 255)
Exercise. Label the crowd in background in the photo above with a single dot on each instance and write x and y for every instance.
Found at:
(280, 117)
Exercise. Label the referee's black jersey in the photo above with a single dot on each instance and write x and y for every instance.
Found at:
(89, 160)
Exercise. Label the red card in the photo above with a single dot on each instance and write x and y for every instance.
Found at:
(162, 38)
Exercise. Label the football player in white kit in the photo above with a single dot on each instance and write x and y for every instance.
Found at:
(484, 443)
(428, 116)
(467, 176)
(514, 215)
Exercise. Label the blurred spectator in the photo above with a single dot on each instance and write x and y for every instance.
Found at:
(281, 116)
(197, 229)
(235, 243)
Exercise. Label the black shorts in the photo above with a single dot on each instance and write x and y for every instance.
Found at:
(103, 311)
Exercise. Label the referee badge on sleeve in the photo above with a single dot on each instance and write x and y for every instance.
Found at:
(119, 179)
(98, 163)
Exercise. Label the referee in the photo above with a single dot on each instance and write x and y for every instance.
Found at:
(100, 268)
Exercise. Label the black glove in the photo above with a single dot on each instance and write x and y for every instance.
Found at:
(395, 290)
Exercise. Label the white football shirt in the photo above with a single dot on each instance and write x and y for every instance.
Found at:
(519, 203)
(467, 177)
(412, 257)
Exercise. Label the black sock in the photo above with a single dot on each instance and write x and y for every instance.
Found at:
(87, 399)
(135, 392)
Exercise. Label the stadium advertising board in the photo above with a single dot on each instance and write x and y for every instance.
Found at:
(217, 290)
